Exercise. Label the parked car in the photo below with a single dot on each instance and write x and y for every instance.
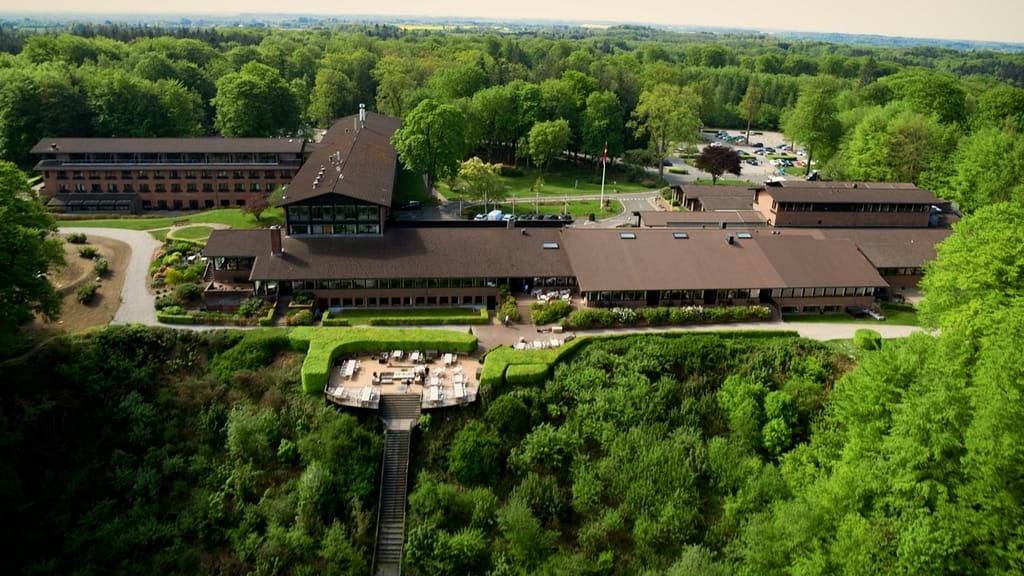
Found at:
(758, 145)
(411, 205)
(864, 312)
(753, 162)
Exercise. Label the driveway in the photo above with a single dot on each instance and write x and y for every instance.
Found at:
(136, 300)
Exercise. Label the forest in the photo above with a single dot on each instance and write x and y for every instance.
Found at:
(945, 119)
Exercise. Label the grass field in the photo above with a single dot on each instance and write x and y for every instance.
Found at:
(230, 216)
(192, 233)
(567, 181)
(579, 209)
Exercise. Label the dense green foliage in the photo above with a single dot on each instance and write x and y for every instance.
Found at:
(123, 454)
(947, 120)
(28, 250)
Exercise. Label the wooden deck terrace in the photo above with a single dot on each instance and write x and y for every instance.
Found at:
(439, 380)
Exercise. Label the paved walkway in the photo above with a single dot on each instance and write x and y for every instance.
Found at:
(493, 335)
(136, 299)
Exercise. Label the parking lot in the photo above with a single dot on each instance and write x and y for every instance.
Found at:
(754, 155)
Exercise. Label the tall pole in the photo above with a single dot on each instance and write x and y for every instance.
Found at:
(604, 168)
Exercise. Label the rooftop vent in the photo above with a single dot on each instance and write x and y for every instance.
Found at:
(549, 245)
(745, 235)
(680, 235)
(627, 235)
(729, 239)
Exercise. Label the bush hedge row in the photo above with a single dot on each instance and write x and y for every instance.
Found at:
(664, 316)
(550, 311)
(526, 374)
(322, 346)
(427, 320)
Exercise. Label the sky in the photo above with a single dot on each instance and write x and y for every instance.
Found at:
(992, 20)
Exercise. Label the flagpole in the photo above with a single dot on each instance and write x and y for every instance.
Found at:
(604, 168)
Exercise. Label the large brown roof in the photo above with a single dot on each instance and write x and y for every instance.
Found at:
(167, 145)
(880, 192)
(400, 253)
(702, 219)
(893, 247)
(701, 191)
(656, 260)
(354, 160)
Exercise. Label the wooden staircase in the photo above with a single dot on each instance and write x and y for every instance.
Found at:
(400, 413)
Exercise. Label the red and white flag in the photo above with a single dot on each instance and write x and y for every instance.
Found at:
(604, 157)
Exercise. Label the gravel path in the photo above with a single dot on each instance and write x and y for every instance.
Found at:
(136, 300)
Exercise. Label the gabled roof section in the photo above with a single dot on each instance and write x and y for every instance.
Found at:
(847, 192)
(654, 260)
(355, 159)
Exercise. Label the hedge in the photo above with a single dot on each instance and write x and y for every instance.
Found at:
(323, 345)
(664, 316)
(867, 339)
(268, 319)
(547, 312)
(526, 374)
(174, 318)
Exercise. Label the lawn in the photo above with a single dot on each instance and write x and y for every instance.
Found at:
(723, 182)
(230, 216)
(566, 181)
(357, 316)
(192, 233)
(579, 209)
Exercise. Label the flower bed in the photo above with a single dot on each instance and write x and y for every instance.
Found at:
(664, 316)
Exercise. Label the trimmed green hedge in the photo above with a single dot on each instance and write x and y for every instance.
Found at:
(867, 339)
(268, 319)
(664, 316)
(526, 374)
(550, 311)
(326, 320)
(413, 319)
(173, 318)
(323, 345)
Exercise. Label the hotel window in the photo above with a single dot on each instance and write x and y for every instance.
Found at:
(158, 173)
(239, 187)
(190, 174)
(237, 174)
(79, 187)
(254, 173)
(96, 187)
(254, 187)
(174, 175)
(269, 174)
(175, 187)
(207, 187)
(111, 187)
(159, 187)
(191, 187)
(143, 187)
(128, 187)
(62, 175)
(222, 186)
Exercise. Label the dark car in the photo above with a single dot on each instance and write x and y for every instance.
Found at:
(551, 216)
(412, 205)
(564, 216)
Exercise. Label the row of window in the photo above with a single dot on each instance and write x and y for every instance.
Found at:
(848, 207)
(332, 213)
(405, 301)
(174, 174)
(900, 271)
(189, 205)
(333, 229)
(161, 187)
(392, 283)
(176, 158)
(821, 292)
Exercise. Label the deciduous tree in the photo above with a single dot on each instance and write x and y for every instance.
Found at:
(717, 160)
(814, 122)
(28, 251)
(432, 140)
(665, 114)
(547, 140)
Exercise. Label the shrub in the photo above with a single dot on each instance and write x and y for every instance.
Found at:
(250, 307)
(173, 276)
(867, 339)
(101, 267)
(87, 252)
(507, 307)
(86, 292)
(526, 374)
(511, 171)
(76, 238)
(301, 318)
(625, 315)
(655, 315)
(302, 298)
(547, 312)
(252, 352)
(591, 317)
(188, 293)
(174, 310)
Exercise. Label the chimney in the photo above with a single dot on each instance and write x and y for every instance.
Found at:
(362, 115)
(275, 241)
(728, 239)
